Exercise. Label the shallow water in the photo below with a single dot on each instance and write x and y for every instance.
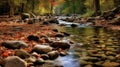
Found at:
(86, 35)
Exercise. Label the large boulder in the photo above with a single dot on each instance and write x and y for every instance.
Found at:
(62, 45)
(14, 61)
(53, 55)
(42, 49)
(22, 54)
(14, 44)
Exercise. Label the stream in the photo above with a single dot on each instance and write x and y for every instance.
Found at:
(84, 35)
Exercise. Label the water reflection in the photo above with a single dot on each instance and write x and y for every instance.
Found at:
(98, 38)
(68, 61)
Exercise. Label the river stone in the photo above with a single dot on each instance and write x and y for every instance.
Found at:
(83, 62)
(39, 61)
(91, 59)
(63, 53)
(25, 15)
(33, 38)
(53, 20)
(59, 66)
(42, 49)
(31, 21)
(88, 65)
(59, 35)
(22, 54)
(55, 30)
(45, 23)
(53, 55)
(74, 25)
(111, 53)
(112, 58)
(98, 64)
(62, 45)
(65, 33)
(14, 44)
(45, 56)
(14, 61)
(110, 64)
(31, 59)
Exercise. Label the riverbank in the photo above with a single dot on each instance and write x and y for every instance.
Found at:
(30, 44)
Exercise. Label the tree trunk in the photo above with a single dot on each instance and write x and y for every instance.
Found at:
(51, 6)
(74, 8)
(11, 8)
(97, 7)
(22, 7)
(33, 6)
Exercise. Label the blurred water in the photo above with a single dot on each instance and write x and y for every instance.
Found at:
(85, 35)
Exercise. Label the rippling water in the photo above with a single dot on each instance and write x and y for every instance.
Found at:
(86, 35)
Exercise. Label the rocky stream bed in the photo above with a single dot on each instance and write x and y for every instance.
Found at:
(63, 45)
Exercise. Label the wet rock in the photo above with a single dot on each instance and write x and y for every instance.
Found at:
(55, 30)
(62, 24)
(45, 56)
(48, 63)
(62, 45)
(25, 15)
(112, 58)
(74, 25)
(31, 59)
(110, 64)
(91, 59)
(109, 49)
(45, 23)
(39, 61)
(98, 55)
(69, 19)
(53, 55)
(83, 62)
(111, 53)
(88, 65)
(31, 21)
(59, 66)
(22, 54)
(42, 49)
(63, 53)
(65, 33)
(46, 39)
(118, 56)
(14, 61)
(32, 37)
(35, 54)
(59, 35)
(14, 44)
(98, 64)
(53, 20)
